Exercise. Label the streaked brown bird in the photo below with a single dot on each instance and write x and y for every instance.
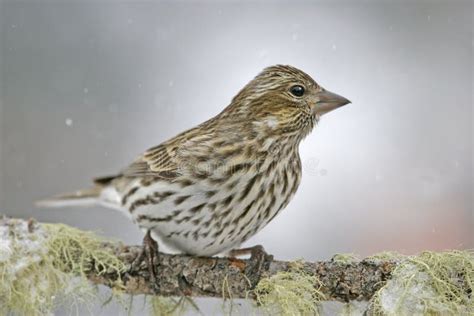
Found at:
(212, 187)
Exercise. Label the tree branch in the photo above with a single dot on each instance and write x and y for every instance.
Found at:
(194, 276)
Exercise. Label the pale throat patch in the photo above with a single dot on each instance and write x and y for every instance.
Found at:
(270, 121)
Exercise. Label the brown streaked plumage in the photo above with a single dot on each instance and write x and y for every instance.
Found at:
(212, 187)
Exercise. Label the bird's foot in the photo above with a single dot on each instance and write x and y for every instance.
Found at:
(150, 254)
(259, 261)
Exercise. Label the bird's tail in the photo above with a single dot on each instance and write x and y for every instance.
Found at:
(85, 197)
(102, 193)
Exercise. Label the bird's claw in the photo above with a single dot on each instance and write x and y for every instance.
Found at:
(259, 261)
(150, 254)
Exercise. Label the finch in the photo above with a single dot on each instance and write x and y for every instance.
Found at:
(212, 187)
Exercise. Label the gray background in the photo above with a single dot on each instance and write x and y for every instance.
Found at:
(87, 86)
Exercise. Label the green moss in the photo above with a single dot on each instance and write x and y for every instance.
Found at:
(228, 305)
(345, 258)
(167, 306)
(40, 271)
(162, 306)
(430, 284)
(80, 252)
(386, 256)
(294, 292)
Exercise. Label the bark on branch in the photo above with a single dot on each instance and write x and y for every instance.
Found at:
(194, 276)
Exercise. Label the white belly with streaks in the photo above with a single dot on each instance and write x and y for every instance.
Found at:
(178, 227)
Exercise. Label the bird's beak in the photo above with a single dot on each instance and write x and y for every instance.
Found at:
(328, 101)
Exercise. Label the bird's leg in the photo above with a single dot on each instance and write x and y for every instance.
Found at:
(259, 261)
(150, 255)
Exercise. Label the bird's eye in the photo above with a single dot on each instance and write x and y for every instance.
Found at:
(297, 90)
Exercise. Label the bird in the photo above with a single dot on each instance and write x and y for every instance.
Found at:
(212, 187)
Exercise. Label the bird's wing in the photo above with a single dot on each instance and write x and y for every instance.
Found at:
(169, 159)
(159, 161)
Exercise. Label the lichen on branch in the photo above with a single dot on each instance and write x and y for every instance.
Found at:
(43, 266)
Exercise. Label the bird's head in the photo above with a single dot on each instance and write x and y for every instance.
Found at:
(283, 100)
